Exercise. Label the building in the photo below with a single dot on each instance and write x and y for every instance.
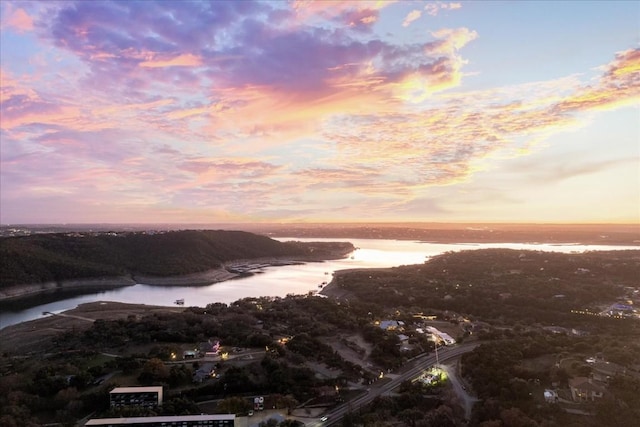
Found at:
(189, 354)
(440, 336)
(147, 397)
(218, 420)
(550, 396)
(206, 371)
(585, 389)
(391, 325)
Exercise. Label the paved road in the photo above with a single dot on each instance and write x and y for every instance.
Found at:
(409, 372)
(467, 400)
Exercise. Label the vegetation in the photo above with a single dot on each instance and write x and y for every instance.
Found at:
(52, 257)
(521, 305)
(503, 286)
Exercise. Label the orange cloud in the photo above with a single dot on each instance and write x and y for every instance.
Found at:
(411, 16)
(446, 144)
(618, 86)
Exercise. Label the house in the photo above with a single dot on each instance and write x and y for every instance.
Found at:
(391, 325)
(550, 396)
(586, 389)
(439, 336)
(189, 354)
(204, 372)
(404, 342)
(209, 347)
(147, 397)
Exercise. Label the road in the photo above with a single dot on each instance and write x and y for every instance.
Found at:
(71, 316)
(409, 372)
(467, 400)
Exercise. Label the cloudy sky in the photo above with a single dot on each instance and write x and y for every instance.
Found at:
(202, 112)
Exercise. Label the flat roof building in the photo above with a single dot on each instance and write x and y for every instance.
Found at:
(217, 420)
(147, 397)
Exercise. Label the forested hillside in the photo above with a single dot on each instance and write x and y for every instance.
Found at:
(45, 257)
(502, 285)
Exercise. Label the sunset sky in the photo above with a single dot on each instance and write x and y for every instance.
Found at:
(204, 112)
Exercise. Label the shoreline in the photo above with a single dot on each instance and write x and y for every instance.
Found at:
(332, 289)
(229, 270)
(29, 290)
(23, 337)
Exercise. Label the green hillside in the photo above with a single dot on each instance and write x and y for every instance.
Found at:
(45, 257)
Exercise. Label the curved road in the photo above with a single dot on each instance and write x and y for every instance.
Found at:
(466, 399)
(409, 372)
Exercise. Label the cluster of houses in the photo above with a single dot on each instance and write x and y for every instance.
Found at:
(591, 388)
(435, 335)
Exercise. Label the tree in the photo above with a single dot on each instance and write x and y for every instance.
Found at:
(233, 405)
(287, 401)
(154, 370)
(410, 416)
(271, 422)
(514, 417)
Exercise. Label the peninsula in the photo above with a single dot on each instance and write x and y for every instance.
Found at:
(41, 263)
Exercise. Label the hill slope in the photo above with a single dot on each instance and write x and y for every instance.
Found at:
(46, 257)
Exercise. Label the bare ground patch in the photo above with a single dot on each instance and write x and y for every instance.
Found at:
(37, 335)
(352, 348)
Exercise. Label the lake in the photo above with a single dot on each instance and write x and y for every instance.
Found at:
(271, 281)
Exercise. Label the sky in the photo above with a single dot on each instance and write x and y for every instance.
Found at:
(319, 111)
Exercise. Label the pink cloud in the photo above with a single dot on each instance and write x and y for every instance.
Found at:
(17, 19)
(186, 60)
(21, 105)
(360, 19)
(308, 9)
(157, 104)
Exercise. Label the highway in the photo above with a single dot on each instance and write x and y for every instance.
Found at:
(408, 372)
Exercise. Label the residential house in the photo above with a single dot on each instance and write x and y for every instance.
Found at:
(585, 389)
(204, 372)
(391, 325)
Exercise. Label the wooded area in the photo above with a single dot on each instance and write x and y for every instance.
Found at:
(59, 256)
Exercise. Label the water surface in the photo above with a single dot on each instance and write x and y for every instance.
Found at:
(271, 281)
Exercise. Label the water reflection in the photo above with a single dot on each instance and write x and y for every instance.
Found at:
(271, 281)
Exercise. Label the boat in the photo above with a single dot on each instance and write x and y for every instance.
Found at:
(179, 301)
